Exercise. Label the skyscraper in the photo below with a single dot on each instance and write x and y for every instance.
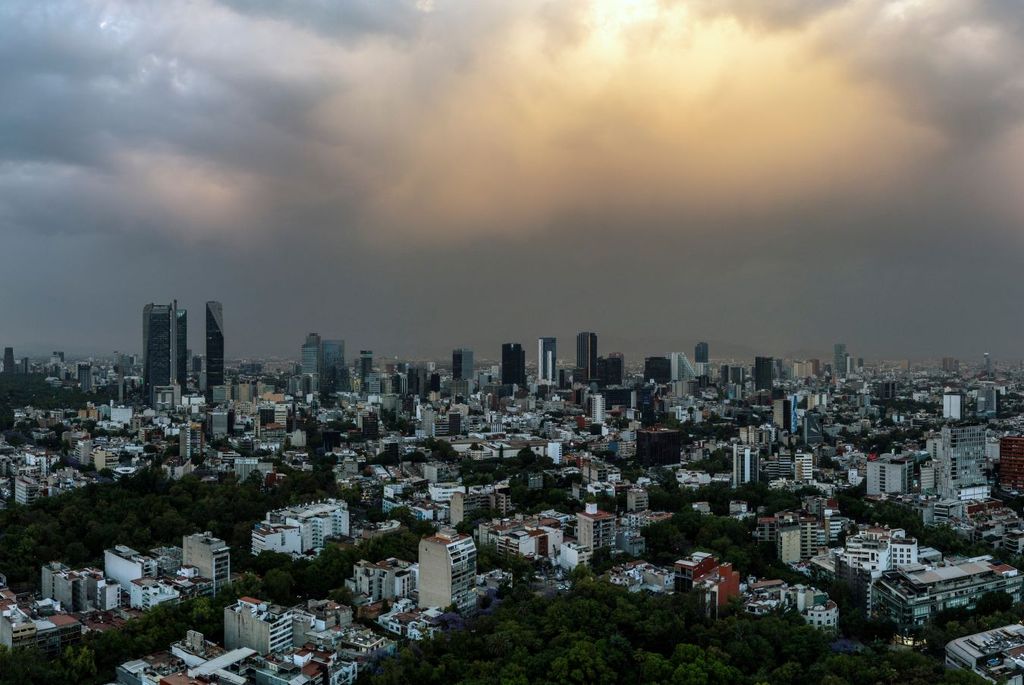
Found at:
(681, 368)
(8, 360)
(365, 364)
(586, 354)
(214, 344)
(333, 360)
(513, 364)
(181, 347)
(839, 360)
(700, 353)
(764, 373)
(462, 364)
(158, 343)
(658, 369)
(312, 354)
(547, 360)
(85, 377)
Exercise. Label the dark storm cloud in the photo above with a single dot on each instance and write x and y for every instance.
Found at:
(414, 176)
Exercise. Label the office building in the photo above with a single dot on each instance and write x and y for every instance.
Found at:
(988, 401)
(334, 372)
(611, 369)
(700, 353)
(312, 354)
(839, 363)
(547, 360)
(889, 474)
(210, 556)
(85, 377)
(680, 368)
(513, 365)
(159, 343)
(960, 462)
(1011, 463)
(181, 347)
(586, 355)
(462, 364)
(9, 366)
(764, 373)
(447, 571)
(746, 465)
(365, 365)
(953, 406)
(659, 446)
(214, 344)
(658, 369)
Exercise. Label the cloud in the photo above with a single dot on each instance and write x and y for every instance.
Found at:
(575, 156)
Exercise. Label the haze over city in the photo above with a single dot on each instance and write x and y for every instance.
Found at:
(410, 176)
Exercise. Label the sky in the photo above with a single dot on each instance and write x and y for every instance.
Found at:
(416, 175)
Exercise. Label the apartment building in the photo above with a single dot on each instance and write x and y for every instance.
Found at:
(447, 570)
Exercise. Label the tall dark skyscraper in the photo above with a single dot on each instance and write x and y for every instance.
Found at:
(700, 353)
(764, 373)
(839, 356)
(365, 364)
(181, 346)
(610, 369)
(214, 344)
(547, 359)
(8, 360)
(462, 364)
(586, 354)
(513, 364)
(333, 360)
(158, 343)
(658, 369)
(312, 354)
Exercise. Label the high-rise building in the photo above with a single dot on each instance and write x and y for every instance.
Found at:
(547, 360)
(214, 344)
(210, 556)
(513, 364)
(681, 368)
(332, 354)
(312, 354)
(586, 354)
(953, 404)
(988, 366)
(746, 464)
(839, 356)
(959, 471)
(1011, 463)
(462, 364)
(764, 373)
(365, 364)
(447, 570)
(159, 340)
(611, 369)
(658, 369)
(85, 377)
(8, 360)
(597, 408)
(181, 347)
(700, 353)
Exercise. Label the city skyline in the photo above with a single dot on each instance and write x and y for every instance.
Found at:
(755, 173)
